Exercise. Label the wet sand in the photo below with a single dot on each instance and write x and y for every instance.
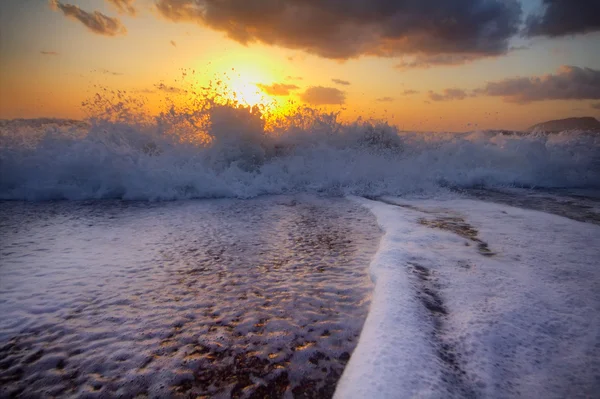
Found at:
(223, 298)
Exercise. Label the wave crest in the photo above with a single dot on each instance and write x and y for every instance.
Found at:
(228, 150)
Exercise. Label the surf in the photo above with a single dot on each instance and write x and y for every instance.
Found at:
(228, 150)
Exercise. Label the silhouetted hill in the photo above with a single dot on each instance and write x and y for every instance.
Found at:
(586, 123)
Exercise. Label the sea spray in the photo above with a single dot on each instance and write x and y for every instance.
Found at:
(209, 148)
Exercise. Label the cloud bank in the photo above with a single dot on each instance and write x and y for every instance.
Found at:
(94, 21)
(568, 83)
(342, 29)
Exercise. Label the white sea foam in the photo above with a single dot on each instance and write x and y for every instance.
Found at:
(219, 298)
(474, 299)
(229, 152)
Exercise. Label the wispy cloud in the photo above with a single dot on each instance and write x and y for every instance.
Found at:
(173, 43)
(385, 99)
(568, 83)
(340, 82)
(459, 31)
(426, 61)
(294, 77)
(595, 105)
(410, 92)
(319, 95)
(124, 6)
(277, 89)
(94, 21)
(52, 53)
(448, 95)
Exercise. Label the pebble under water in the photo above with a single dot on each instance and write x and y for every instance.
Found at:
(219, 298)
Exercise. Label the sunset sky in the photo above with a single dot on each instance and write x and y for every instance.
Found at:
(422, 65)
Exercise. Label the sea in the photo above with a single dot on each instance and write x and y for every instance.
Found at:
(219, 254)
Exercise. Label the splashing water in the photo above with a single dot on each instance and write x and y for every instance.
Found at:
(207, 148)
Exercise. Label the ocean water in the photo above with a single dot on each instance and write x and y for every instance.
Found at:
(216, 253)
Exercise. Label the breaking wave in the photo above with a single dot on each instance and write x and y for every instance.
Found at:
(227, 150)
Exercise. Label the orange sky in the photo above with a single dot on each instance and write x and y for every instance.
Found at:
(53, 57)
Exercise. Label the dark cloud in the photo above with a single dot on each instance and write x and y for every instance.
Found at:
(277, 89)
(410, 92)
(48, 53)
(340, 82)
(94, 21)
(343, 29)
(448, 95)
(564, 17)
(568, 83)
(385, 99)
(319, 95)
(124, 6)
(595, 106)
(173, 43)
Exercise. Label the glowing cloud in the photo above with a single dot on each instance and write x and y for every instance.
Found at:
(277, 89)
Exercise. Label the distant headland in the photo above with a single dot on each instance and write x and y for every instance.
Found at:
(586, 123)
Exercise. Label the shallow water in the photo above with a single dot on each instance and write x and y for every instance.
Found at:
(475, 299)
(582, 205)
(223, 298)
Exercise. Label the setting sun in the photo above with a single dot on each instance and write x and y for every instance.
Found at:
(244, 91)
(241, 77)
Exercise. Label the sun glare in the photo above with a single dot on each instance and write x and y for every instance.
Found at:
(246, 92)
(241, 77)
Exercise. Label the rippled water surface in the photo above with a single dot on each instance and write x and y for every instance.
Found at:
(255, 298)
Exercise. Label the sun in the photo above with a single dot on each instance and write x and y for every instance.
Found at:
(240, 78)
(245, 92)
